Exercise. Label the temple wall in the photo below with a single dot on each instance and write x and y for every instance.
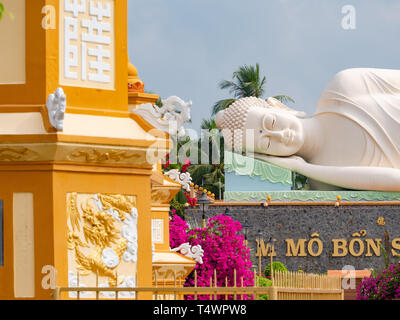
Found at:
(359, 227)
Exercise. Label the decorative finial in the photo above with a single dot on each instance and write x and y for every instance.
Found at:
(134, 83)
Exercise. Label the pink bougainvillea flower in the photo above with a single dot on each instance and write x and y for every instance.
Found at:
(224, 252)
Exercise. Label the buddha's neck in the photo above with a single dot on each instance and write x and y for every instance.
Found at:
(312, 138)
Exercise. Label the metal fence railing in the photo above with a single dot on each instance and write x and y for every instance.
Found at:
(286, 286)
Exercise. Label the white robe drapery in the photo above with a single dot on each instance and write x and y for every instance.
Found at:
(370, 98)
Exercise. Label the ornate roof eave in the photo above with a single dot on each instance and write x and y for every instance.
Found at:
(169, 118)
(170, 264)
(165, 192)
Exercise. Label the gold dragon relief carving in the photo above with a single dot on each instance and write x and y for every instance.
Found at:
(17, 154)
(101, 156)
(102, 235)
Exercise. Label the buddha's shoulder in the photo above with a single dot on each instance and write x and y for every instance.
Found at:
(354, 80)
(352, 73)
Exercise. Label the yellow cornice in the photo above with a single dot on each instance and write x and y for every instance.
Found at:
(76, 167)
(59, 137)
(138, 98)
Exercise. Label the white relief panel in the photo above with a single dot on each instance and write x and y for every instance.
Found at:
(87, 43)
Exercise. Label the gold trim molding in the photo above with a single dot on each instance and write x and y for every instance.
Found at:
(80, 153)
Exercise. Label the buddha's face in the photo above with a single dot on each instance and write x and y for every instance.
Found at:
(276, 132)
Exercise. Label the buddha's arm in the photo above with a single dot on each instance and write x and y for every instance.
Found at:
(359, 178)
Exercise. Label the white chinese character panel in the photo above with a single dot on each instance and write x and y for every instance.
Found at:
(87, 51)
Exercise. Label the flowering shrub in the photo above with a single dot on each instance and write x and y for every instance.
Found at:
(385, 285)
(185, 165)
(167, 165)
(192, 201)
(177, 231)
(183, 196)
(224, 251)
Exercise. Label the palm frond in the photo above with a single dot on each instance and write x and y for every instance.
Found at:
(208, 124)
(222, 105)
(284, 98)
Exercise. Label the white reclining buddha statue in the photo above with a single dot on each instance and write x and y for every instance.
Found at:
(351, 142)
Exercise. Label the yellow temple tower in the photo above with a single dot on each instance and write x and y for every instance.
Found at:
(82, 197)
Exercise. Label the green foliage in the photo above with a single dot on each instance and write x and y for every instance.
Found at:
(263, 282)
(4, 11)
(222, 105)
(300, 182)
(385, 255)
(177, 204)
(210, 174)
(284, 98)
(278, 266)
(246, 82)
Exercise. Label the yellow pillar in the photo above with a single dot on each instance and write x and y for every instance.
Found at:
(98, 156)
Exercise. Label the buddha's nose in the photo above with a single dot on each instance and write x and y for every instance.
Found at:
(282, 135)
(277, 134)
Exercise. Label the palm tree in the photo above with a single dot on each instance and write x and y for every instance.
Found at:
(210, 176)
(246, 82)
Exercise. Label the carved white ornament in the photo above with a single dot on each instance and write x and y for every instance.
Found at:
(56, 106)
(170, 117)
(110, 258)
(129, 282)
(88, 43)
(129, 232)
(183, 178)
(73, 283)
(195, 252)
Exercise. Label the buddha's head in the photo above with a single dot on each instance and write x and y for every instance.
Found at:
(255, 125)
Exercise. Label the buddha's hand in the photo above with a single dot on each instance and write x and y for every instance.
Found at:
(293, 163)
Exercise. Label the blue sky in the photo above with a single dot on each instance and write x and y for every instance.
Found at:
(185, 47)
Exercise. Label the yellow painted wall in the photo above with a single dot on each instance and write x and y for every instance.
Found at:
(42, 67)
(162, 215)
(49, 185)
(12, 39)
(40, 184)
(65, 182)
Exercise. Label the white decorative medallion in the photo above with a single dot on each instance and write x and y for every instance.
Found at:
(183, 178)
(56, 106)
(195, 252)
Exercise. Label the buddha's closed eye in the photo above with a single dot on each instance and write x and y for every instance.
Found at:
(268, 122)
